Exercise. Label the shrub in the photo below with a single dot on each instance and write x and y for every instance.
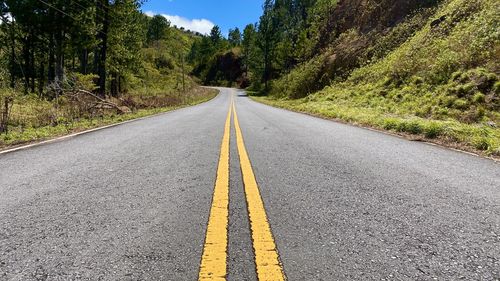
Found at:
(433, 130)
(479, 98)
(481, 143)
(496, 88)
(461, 104)
(85, 81)
(390, 124)
(411, 126)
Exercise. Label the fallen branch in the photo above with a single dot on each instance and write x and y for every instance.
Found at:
(102, 102)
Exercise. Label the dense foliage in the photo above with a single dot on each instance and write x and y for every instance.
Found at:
(47, 41)
(262, 52)
(65, 61)
(372, 61)
(292, 32)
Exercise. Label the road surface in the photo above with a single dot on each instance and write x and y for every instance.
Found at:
(335, 202)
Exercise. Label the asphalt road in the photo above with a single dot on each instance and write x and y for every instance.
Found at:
(132, 202)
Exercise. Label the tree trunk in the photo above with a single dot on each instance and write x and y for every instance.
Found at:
(41, 80)
(96, 60)
(4, 121)
(120, 84)
(183, 80)
(59, 55)
(51, 70)
(84, 60)
(12, 57)
(114, 85)
(32, 69)
(26, 63)
(267, 67)
(103, 5)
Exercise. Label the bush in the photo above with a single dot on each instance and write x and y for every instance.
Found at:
(432, 130)
(409, 126)
(496, 88)
(390, 124)
(85, 81)
(479, 98)
(460, 104)
(481, 143)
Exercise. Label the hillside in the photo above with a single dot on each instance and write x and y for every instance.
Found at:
(425, 68)
(441, 82)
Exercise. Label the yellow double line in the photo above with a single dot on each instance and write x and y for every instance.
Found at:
(214, 259)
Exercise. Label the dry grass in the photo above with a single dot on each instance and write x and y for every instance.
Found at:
(33, 119)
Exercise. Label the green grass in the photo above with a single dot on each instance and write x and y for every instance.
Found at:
(439, 81)
(20, 135)
(474, 137)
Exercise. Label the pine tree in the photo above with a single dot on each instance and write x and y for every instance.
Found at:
(267, 40)
(157, 28)
(234, 37)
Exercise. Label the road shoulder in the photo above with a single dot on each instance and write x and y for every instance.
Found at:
(100, 125)
(439, 141)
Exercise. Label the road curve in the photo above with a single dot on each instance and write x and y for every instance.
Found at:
(132, 202)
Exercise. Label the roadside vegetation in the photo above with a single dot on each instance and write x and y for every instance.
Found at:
(30, 121)
(75, 66)
(423, 68)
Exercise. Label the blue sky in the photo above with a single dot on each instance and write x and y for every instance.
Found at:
(201, 15)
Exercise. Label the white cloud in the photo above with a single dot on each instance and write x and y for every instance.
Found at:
(200, 25)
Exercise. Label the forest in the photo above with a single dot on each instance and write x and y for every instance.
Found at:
(70, 65)
(424, 69)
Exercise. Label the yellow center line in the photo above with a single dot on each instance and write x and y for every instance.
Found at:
(266, 255)
(213, 262)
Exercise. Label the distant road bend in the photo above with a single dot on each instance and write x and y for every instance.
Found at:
(235, 190)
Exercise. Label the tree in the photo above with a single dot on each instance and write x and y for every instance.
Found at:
(126, 34)
(42, 39)
(216, 36)
(267, 40)
(100, 55)
(251, 54)
(8, 36)
(157, 28)
(47, 44)
(234, 37)
(321, 23)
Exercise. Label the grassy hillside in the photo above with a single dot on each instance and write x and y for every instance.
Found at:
(434, 73)
(164, 62)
